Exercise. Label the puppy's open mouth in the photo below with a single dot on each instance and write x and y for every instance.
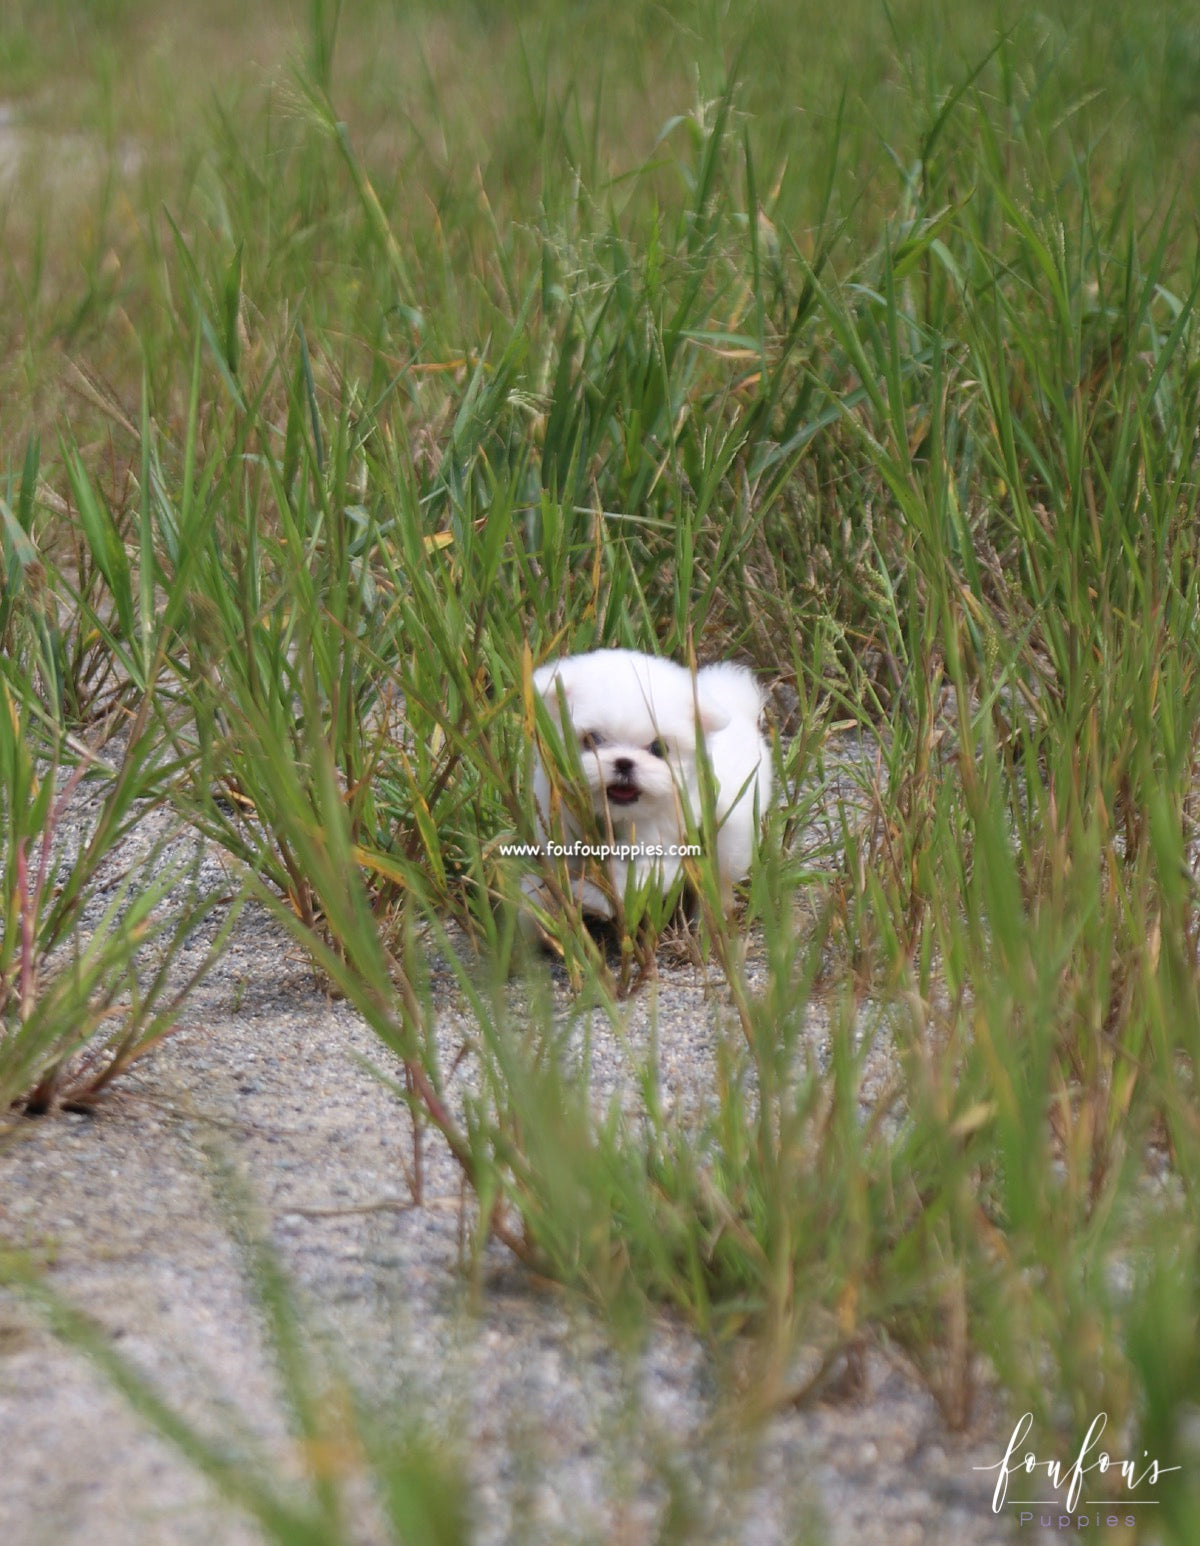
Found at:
(622, 793)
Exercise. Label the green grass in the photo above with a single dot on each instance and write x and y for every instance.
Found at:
(448, 342)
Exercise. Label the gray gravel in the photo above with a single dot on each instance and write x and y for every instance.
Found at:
(559, 1429)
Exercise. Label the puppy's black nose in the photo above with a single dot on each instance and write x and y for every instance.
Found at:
(623, 767)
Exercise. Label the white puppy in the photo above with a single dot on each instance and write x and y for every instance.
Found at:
(638, 721)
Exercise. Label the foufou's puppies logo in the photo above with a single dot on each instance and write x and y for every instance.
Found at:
(1068, 1509)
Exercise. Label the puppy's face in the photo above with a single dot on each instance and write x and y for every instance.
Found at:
(635, 722)
(626, 775)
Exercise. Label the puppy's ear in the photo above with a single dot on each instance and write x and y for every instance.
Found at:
(710, 719)
(547, 681)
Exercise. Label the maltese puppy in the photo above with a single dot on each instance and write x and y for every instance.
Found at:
(639, 722)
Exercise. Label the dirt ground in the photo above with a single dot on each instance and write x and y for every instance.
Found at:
(557, 1429)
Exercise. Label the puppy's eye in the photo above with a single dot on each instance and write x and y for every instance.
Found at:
(589, 741)
(657, 749)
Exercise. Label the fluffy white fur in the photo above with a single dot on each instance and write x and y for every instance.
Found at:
(638, 720)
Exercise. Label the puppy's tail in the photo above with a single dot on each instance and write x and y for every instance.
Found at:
(727, 693)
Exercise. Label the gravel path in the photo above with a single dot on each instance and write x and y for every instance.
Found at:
(559, 1430)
